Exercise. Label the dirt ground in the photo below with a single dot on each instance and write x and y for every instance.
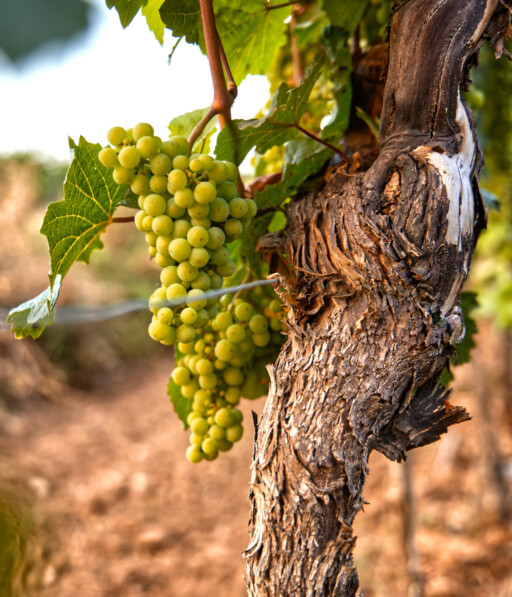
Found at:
(119, 511)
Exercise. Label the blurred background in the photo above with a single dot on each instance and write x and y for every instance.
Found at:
(94, 488)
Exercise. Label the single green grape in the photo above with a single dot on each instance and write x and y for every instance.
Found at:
(188, 316)
(203, 222)
(108, 157)
(206, 160)
(233, 376)
(142, 129)
(186, 347)
(210, 446)
(208, 382)
(147, 223)
(177, 180)
(180, 162)
(175, 291)
(216, 281)
(152, 251)
(159, 331)
(162, 244)
(139, 217)
(203, 318)
(181, 376)
(184, 197)
(187, 272)
(234, 433)
(198, 210)
(197, 236)
(185, 333)
(129, 157)
(218, 171)
(165, 315)
(180, 249)
(252, 208)
(174, 210)
(162, 225)
(160, 164)
(227, 268)
(199, 426)
(163, 260)
(238, 207)
(205, 192)
(224, 418)
(233, 395)
(261, 339)
(220, 256)
(194, 454)
(225, 350)
(224, 320)
(182, 143)
(244, 311)
(181, 228)
(258, 324)
(195, 300)
(198, 257)
(233, 227)
(155, 205)
(196, 165)
(236, 334)
(140, 185)
(151, 238)
(204, 367)
(170, 148)
(203, 280)
(227, 190)
(216, 238)
(116, 135)
(158, 184)
(147, 146)
(169, 275)
(232, 172)
(123, 175)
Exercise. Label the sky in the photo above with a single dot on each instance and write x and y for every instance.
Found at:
(107, 77)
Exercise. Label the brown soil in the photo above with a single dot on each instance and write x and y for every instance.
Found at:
(122, 513)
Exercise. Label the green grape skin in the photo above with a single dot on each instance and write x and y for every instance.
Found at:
(232, 172)
(195, 300)
(160, 164)
(173, 210)
(194, 454)
(203, 281)
(275, 325)
(261, 339)
(139, 217)
(196, 440)
(150, 238)
(216, 281)
(116, 135)
(203, 318)
(129, 157)
(252, 208)
(147, 146)
(208, 382)
(205, 192)
(186, 347)
(233, 227)
(204, 367)
(169, 275)
(275, 305)
(203, 222)
(215, 238)
(176, 181)
(225, 350)
(223, 418)
(258, 324)
(227, 269)
(140, 201)
(175, 291)
(235, 333)
(152, 251)
(158, 184)
(123, 175)
(187, 272)
(140, 185)
(244, 311)
(198, 257)
(165, 315)
(155, 205)
(181, 376)
(147, 223)
(238, 208)
(220, 256)
(232, 395)
(108, 157)
(182, 143)
(179, 249)
(210, 447)
(159, 331)
(195, 165)
(216, 432)
(142, 129)
(227, 190)
(170, 148)
(162, 244)
(180, 162)
(237, 415)
(218, 171)
(184, 197)
(203, 397)
(197, 210)
(206, 160)
(199, 426)
(233, 376)
(234, 433)
(188, 316)
(162, 225)
(185, 333)
(181, 228)
(163, 260)
(224, 320)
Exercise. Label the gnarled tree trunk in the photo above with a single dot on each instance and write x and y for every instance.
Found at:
(378, 261)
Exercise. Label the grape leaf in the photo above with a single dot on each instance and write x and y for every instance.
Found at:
(183, 125)
(276, 127)
(345, 13)
(31, 317)
(183, 18)
(126, 9)
(251, 31)
(151, 12)
(182, 406)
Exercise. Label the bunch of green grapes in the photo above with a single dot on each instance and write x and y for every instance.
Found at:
(189, 209)
(225, 363)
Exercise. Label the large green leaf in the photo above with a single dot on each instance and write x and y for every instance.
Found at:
(127, 9)
(251, 31)
(152, 14)
(278, 126)
(183, 125)
(345, 13)
(30, 318)
(73, 227)
(183, 18)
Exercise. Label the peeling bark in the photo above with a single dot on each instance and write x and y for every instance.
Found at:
(378, 261)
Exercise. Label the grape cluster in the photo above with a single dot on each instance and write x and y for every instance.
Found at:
(225, 363)
(189, 209)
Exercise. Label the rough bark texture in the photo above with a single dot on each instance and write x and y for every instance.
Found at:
(378, 261)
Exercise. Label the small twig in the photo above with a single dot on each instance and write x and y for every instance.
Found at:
(199, 128)
(266, 210)
(319, 140)
(276, 6)
(123, 220)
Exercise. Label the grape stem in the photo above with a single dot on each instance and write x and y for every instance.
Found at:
(223, 93)
(319, 140)
(123, 220)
